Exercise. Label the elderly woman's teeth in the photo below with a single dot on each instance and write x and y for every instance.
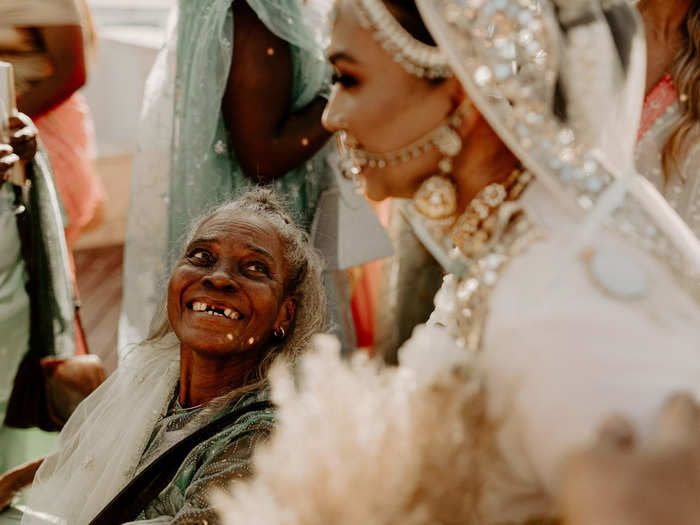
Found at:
(212, 310)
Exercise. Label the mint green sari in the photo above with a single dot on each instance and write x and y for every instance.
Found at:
(205, 171)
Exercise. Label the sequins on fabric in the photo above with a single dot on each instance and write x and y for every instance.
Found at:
(681, 188)
(511, 56)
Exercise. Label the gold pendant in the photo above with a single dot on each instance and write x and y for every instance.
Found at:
(436, 198)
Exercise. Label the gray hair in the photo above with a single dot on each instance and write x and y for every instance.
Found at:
(304, 282)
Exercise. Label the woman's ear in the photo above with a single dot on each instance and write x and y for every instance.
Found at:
(286, 314)
(458, 97)
(455, 91)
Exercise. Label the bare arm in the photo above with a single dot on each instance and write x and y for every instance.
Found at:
(268, 139)
(16, 479)
(64, 44)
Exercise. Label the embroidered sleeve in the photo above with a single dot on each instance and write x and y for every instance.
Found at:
(211, 467)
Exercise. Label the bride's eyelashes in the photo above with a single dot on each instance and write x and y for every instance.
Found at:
(344, 79)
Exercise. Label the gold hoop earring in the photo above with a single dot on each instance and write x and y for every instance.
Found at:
(279, 333)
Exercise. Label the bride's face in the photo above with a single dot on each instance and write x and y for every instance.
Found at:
(382, 106)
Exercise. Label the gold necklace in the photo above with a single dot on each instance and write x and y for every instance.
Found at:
(444, 137)
(475, 227)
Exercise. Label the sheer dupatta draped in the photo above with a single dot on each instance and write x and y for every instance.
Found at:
(100, 447)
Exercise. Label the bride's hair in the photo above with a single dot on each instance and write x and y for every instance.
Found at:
(686, 75)
(407, 14)
(303, 282)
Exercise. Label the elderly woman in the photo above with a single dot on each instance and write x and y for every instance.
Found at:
(184, 411)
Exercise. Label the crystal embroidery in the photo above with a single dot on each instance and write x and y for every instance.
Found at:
(510, 59)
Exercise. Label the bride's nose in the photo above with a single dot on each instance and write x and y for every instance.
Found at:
(334, 117)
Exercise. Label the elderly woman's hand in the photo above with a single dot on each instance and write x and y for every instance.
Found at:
(23, 135)
(617, 482)
(71, 380)
(13, 481)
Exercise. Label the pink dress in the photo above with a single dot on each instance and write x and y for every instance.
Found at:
(68, 136)
(66, 131)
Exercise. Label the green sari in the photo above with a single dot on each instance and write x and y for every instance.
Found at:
(204, 169)
(214, 464)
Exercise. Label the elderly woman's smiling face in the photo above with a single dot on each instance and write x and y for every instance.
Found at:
(227, 293)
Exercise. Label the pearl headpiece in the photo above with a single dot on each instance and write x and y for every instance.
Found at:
(414, 56)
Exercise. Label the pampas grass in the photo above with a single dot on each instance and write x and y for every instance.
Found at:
(361, 444)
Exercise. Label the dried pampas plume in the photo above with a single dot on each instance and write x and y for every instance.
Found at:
(358, 443)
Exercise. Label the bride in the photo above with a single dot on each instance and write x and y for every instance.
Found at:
(571, 289)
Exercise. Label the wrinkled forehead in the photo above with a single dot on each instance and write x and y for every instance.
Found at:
(234, 227)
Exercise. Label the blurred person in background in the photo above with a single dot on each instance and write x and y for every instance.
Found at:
(668, 148)
(623, 481)
(48, 43)
(41, 380)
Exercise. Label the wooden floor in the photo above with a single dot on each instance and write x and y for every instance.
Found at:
(100, 273)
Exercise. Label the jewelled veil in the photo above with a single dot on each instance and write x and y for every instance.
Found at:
(540, 73)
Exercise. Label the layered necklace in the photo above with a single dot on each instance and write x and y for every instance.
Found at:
(436, 199)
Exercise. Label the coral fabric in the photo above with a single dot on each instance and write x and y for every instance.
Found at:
(68, 136)
(656, 102)
(366, 287)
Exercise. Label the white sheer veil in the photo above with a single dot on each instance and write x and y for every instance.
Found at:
(144, 262)
(100, 447)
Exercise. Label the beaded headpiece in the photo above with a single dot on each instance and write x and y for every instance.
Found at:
(414, 56)
(561, 82)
